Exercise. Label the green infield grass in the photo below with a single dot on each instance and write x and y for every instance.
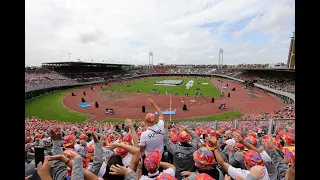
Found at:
(147, 85)
(50, 107)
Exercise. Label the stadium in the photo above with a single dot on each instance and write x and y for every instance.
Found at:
(125, 90)
(90, 119)
(190, 96)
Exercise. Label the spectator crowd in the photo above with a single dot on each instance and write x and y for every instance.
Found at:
(277, 82)
(156, 149)
(45, 80)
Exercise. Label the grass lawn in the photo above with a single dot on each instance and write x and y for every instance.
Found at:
(146, 85)
(49, 107)
(220, 117)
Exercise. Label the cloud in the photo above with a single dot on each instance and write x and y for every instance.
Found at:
(125, 31)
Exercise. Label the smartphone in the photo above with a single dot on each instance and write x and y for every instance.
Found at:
(89, 136)
(38, 155)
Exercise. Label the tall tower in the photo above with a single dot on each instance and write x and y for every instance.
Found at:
(220, 63)
(291, 56)
(150, 60)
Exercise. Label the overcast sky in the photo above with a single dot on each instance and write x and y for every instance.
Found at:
(176, 31)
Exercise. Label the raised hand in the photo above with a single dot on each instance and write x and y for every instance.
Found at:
(72, 154)
(150, 102)
(270, 143)
(94, 136)
(238, 137)
(43, 169)
(230, 149)
(213, 142)
(186, 173)
(112, 146)
(258, 172)
(118, 170)
(128, 122)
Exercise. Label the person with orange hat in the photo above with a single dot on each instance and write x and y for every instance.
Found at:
(82, 147)
(235, 155)
(152, 163)
(183, 151)
(251, 158)
(122, 150)
(152, 138)
(204, 176)
(204, 162)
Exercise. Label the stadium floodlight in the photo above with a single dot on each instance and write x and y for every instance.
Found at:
(220, 63)
(150, 59)
(291, 50)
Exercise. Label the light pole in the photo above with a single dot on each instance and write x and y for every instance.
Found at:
(220, 58)
(150, 59)
(292, 49)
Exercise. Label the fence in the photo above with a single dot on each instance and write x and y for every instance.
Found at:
(270, 125)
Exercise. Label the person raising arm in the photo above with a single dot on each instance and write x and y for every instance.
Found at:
(158, 129)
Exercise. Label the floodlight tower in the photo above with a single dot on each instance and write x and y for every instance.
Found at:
(291, 56)
(220, 64)
(150, 60)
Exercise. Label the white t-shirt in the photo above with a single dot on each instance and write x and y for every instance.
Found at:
(168, 171)
(102, 170)
(126, 160)
(234, 172)
(80, 150)
(107, 153)
(152, 138)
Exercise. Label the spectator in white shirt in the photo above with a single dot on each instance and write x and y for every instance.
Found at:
(152, 138)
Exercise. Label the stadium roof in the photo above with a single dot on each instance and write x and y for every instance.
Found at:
(80, 63)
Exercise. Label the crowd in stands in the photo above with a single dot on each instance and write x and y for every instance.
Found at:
(156, 149)
(44, 80)
(280, 83)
